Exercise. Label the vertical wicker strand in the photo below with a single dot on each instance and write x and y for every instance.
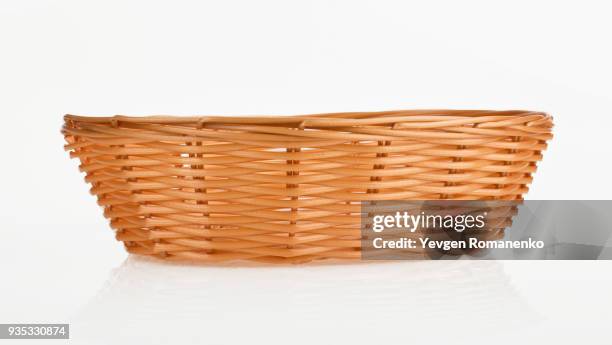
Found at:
(517, 139)
(115, 124)
(377, 178)
(349, 203)
(294, 198)
(456, 159)
(378, 166)
(502, 174)
(452, 172)
(199, 191)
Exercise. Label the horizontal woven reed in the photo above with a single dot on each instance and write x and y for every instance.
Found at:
(288, 188)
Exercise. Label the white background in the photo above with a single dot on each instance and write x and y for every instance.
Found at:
(59, 261)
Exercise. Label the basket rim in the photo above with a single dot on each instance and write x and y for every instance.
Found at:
(334, 118)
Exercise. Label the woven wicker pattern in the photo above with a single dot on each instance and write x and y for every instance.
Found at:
(288, 189)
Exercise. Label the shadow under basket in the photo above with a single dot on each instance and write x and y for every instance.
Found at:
(288, 189)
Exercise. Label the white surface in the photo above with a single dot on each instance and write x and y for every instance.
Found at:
(284, 57)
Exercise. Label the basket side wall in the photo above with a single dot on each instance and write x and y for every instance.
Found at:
(280, 192)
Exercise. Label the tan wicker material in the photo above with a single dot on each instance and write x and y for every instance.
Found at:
(288, 188)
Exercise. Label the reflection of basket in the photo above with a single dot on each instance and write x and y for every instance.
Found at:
(287, 189)
(161, 303)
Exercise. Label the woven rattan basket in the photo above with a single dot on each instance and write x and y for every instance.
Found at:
(288, 188)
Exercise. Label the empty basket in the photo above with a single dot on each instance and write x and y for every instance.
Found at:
(288, 188)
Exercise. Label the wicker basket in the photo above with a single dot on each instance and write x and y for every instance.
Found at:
(288, 189)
